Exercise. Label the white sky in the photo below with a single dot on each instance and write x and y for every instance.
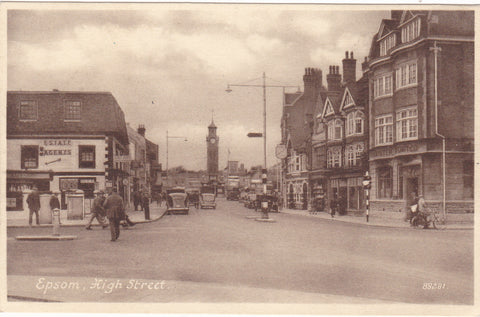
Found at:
(169, 67)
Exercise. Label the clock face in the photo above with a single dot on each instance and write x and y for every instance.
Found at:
(212, 140)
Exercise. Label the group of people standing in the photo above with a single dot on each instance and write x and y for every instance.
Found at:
(111, 207)
(142, 199)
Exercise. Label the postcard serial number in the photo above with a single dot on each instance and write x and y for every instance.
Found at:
(434, 286)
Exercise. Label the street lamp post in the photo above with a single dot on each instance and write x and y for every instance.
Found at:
(264, 86)
(171, 137)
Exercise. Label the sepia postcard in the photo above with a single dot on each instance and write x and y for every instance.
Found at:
(238, 158)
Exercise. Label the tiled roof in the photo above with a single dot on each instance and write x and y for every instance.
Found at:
(100, 114)
(291, 97)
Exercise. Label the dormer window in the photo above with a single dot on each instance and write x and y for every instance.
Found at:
(387, 43)
(28, 110)
(411, 30)
(72, 110)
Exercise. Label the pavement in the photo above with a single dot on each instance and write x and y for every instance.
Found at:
(386, 219)
(156, 212)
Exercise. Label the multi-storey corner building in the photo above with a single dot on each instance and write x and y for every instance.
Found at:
(65, 141)
(421, 78)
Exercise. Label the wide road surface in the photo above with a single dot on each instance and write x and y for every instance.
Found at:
(297, 254)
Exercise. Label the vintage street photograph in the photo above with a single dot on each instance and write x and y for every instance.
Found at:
(233, 158)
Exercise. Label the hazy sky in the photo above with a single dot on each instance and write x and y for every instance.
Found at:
(169, 67)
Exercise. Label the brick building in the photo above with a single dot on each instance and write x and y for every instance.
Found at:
(420, 70)
(65, 141)
(341, 135)
(296, 125)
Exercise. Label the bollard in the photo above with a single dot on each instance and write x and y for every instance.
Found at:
(56, 222)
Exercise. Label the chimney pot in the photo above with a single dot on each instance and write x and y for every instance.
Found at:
(351, 55)
(346, 54)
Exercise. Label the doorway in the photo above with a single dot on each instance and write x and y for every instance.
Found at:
(411, 190)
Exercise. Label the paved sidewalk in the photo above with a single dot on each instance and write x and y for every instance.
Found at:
(156, 212)
(386, 218)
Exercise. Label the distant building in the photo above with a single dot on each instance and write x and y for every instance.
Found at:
(67, 141)
(212, 152)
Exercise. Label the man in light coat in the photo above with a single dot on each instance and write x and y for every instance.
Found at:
(97, 211)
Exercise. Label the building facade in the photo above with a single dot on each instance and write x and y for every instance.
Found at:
(74, 142)
(421, 103)
(342, 136)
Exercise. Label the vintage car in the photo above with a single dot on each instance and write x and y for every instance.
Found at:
(177, 201)
(207, 200)
(233, 194)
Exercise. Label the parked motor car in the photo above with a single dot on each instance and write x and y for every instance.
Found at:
(177, 201)
(207, 200)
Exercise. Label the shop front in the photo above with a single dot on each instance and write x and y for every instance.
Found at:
(348, 188)
(398, 177)
(20, 183)
(297, 194)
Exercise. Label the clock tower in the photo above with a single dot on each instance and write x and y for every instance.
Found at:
(212, 152)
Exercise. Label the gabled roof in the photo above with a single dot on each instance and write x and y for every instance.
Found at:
(348, 98)
(386, 26)
(100, 114)
(409, 14)
(320, 104)
(332, 104)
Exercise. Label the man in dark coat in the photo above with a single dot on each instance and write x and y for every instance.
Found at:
(115, 213)
(146, 204)
(54, 202)
(97, 211)
(137, 200)
(33, 201)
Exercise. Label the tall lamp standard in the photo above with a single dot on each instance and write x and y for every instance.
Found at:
(172, 137)
(256, 135)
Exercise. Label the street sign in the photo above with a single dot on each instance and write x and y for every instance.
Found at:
(281, 151)
(255, 135)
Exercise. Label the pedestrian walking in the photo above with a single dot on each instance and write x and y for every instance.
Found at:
(54, 202)
(333, 206)
(115, 212)
(33, 201)
(146, 204)
(342, 205)
(98, 211)
(137, 200)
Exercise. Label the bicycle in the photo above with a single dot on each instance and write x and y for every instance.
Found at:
(437, 223)
(429, 216)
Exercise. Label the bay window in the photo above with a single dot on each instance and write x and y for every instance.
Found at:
(354, 123)
(406, 75)
(407, 124)
(384, 130)
(382, 85)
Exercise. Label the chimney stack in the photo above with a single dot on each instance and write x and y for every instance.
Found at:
(334, 79)
(312, 81)
(349, 68)
(141, 130)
